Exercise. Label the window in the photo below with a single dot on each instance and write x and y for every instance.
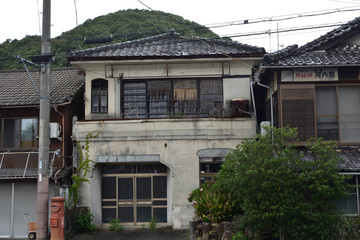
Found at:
(177, 97)
(333, 111)
(326, 113)
(350, 205)
(209, 167)
(99, 96)
(297, 104)
(18, 133)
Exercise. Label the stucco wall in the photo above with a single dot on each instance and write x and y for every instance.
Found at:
(175, 141)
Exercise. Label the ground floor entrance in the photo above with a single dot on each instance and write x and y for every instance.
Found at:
(18, 197)
(134, 193)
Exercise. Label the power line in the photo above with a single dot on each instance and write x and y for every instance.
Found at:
(282, 17)
(309, 27)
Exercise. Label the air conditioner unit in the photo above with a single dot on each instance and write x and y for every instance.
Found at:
(55, 130)
(262, 127)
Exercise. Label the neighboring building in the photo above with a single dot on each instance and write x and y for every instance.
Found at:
(19, 124)
(316, 88)
(168, 109)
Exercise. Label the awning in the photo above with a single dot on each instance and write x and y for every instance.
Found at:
(15, 165)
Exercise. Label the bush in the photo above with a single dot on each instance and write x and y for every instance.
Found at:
(82, 223)
(282, 190)
(213, 205)
(348, 228)
(239, 236)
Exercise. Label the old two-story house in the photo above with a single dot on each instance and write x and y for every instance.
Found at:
(167, 108)
(19, 124)
(316, 88)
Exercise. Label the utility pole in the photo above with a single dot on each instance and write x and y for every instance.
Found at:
(42, 204)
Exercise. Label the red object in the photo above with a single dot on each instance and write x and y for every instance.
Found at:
(57, 218)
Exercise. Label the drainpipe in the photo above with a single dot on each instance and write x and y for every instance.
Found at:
(257, 81)
(253, 100)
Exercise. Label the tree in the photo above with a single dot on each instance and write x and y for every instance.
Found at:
(282, 189)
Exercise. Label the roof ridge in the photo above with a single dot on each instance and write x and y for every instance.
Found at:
(171, 34)
(330, 36)
(287, 51)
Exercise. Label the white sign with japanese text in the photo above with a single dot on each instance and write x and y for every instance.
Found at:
(316, 74)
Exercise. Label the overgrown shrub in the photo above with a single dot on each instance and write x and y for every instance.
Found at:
(239, 236)
(213, 205)
(282, 189)
(348, 228)
(82, 223)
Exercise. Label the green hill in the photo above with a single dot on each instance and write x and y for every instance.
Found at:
(123, 25)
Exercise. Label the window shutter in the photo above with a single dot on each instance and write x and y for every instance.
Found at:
(298, 109)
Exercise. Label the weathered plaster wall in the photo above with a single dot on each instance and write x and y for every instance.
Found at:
(176, 141)
(235, 74)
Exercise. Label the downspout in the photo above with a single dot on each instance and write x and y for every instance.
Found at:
(257, 81)
(253, 100)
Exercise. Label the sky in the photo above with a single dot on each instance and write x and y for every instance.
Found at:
(20, 18)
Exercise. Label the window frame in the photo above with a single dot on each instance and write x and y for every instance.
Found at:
(357, 193)
(313, 86)
(2, 133)
(204, 176)
(171, 102)
(100, 91)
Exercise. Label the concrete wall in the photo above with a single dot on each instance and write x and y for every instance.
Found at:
(235, 74)
(175, 141)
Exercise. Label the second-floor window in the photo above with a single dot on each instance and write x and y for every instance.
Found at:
(172, 98)
(99, 96)
(18, 133)
(330, 112)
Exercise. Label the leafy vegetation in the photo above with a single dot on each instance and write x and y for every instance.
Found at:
(213, 205)
(280, 191)
(123, 25)
(115, 225)
(153, 223)
(83, 169)
(82, 223)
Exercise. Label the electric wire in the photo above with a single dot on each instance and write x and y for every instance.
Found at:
(239, 35)
(282, 17)
(304, 28)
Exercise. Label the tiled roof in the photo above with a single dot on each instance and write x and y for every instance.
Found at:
(326, 50)
(16, 88)
(169, 45)
(350, 159)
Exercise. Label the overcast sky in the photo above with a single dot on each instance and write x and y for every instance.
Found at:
(22, 17)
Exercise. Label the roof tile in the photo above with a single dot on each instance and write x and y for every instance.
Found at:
(167, 45)
(17, 90)
(320, 51)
